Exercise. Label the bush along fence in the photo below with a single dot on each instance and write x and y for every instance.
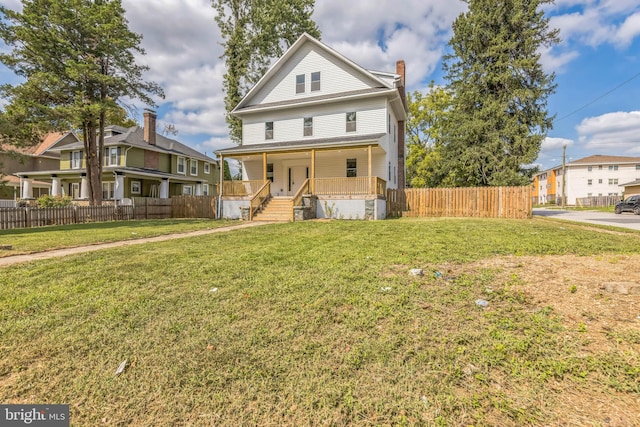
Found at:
(477, 202)
(141, 208)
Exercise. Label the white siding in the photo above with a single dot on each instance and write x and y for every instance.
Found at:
(328, 121)
(335, 77)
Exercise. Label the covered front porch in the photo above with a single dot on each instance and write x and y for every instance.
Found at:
(307, 183)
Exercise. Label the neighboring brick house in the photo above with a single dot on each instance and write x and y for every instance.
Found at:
(137, 163)
(592, 176)
(320, 125)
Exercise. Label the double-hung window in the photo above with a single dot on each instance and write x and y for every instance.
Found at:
(76, 159)
(300, 83)
(207, 168)
(315, 81)
(108, 190)
(268, 130)
(193, 167)
(351, 122)
(352, 168)
(112, 156)
(181, 165)
(308, 126)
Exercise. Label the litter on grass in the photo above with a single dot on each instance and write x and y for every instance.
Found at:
(482, 303)
(121, 367)
(416, 272)
(213, 290)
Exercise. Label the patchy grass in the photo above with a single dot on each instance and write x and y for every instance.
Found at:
(30, 240)
(306, 324)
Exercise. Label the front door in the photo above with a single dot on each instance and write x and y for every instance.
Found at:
(296, 175)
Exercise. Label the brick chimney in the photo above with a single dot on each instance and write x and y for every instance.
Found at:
(150, 126)
(401, 125)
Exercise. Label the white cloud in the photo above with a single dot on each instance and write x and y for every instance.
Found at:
(612, 133)
(553, 144)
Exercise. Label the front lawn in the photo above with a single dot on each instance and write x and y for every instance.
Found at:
(321, 323)
(29, 240)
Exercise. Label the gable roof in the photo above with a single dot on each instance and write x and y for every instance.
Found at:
(295, 47)
(44, 146)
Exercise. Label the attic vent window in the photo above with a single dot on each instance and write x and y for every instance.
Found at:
(300, 83)
(315, 81)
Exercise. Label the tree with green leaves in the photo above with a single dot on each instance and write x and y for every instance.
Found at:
(427, 116)
(77, 61)
(254, 32)
(499, 115)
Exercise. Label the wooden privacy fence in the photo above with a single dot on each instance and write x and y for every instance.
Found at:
(39, 217)
(175, 207)
(477, 202)
(597, 201)
(141, 208)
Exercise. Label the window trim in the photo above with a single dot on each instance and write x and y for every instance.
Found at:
(351, 125)
(315, 84)
(270, 171)
(352, 171)
(207, 168)
(205, 189)
(191, 168)
(300, 83)
(181, 160)
(111, 190)
(268, 131)
(307, 130)
(185, 192)
(136, 187)
(78, 160)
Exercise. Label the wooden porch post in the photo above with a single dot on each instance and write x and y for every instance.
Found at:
(264, 167)
(313, 170)
(370, 186)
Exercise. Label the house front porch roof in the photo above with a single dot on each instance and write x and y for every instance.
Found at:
(304, 145)
(127, 171)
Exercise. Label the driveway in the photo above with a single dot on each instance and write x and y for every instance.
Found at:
(625, 220)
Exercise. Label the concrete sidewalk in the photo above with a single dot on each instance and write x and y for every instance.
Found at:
(16, 259)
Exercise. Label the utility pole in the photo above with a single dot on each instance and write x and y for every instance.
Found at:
(564, 173)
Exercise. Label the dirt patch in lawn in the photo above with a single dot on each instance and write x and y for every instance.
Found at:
(586, 292)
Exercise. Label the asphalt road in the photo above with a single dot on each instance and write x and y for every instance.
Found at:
(624, 220)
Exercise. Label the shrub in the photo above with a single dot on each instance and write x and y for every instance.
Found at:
(49, 201)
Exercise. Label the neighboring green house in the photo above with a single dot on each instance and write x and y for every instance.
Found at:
(138, 162)
(37, 157)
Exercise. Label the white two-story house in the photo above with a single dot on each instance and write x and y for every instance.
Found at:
(321, 137)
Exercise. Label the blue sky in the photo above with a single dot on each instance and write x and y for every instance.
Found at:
(600, 50)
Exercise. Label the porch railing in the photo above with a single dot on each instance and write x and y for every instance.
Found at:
(356, 186)
(304, 189)
(259, 198)
(241, 188)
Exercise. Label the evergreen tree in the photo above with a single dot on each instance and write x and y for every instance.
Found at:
(77, 59)
(499, 116)
(254, 33)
